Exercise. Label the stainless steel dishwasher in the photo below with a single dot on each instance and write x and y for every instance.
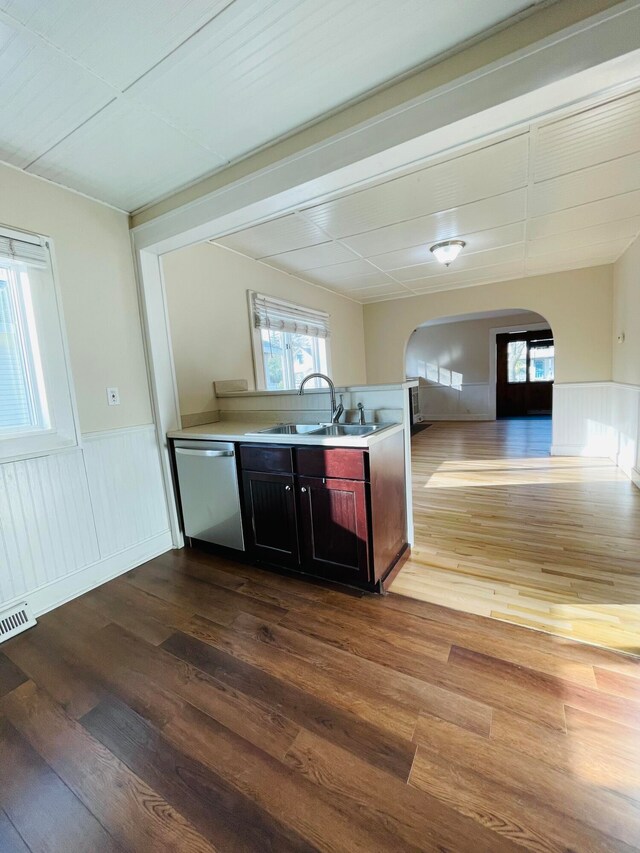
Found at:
(209, 495)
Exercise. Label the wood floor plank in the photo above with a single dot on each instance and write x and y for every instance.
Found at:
(617, 708)
(135, 815)
(510, 814)
(10, 839)
(356, 697)
(503, 529)
(418, 823)
(342, 722)
(71, 684)
(376, 746)
(11, 676)
(602, 812)
(222, 814)
(326, 821)
(41, 807)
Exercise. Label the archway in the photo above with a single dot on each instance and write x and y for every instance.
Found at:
(463, 362)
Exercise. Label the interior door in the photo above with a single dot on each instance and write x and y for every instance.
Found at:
(335, 530)
(525, 373)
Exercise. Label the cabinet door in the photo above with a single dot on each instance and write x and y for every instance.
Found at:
(334, 528)
(270, 517)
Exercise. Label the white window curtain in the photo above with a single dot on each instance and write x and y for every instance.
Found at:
(271, 313)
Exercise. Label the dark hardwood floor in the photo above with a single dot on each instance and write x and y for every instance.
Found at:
(196, 705)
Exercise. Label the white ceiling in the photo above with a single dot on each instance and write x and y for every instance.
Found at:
(128, 100)
(558, 195)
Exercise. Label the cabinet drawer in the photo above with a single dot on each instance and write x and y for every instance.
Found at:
(268, 458)
(341, 462)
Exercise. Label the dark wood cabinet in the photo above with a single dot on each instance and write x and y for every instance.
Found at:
(335, 528)
(271, 524)
(333, 512)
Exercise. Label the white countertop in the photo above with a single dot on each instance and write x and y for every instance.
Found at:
(245, 431)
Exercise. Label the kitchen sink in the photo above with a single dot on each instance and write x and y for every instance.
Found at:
(289, 429)
(351, 429)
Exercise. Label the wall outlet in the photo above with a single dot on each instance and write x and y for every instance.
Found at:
(113, 396)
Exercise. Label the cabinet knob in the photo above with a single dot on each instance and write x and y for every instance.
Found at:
(287, 488)
(303, 489)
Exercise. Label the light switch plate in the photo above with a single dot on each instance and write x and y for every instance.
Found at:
(113, 396)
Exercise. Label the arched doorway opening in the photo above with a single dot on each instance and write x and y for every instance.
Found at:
(481, 366)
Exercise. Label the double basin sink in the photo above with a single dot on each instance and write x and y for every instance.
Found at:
(322, 430)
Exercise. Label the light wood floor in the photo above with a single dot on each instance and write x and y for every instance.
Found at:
(505, 530)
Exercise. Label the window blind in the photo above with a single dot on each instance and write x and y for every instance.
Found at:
(15, 411)
(272, 313)
(33, 254)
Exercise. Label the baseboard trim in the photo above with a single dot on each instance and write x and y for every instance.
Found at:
(635, 477)
(71, 586)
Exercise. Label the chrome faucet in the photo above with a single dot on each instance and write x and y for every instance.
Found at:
(336, 411)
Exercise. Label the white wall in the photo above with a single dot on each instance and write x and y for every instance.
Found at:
(206, 289)
(577, 304)
(626, 359)
(70, 520)
(453, 360)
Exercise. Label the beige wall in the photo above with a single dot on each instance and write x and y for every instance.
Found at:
(96, 278)
(626, 316)
(577, 304)
(462, 347)
(206, 290)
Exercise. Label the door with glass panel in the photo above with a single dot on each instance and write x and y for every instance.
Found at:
(525, 373)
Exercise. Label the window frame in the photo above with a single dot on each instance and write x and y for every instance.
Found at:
(63, 430)
(259, 371)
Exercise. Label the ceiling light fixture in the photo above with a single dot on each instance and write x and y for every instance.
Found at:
(448, 250)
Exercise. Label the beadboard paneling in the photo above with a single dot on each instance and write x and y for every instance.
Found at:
(598, 419)
(125, 483)
(625, 410)
(582, 419)
(444, 403)
(46, 522)
(71, 520)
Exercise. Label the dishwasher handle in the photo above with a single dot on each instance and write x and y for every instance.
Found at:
(188, 452)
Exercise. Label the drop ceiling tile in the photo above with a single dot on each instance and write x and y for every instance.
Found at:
(468, 278)
(351, 283)
(491, 257)
(610, 232)
(486, 172)
(577, 256)
(596, 214)
(274, 237)
(598, 182)
(322, 255)
(125, 157)
(479, 241)
(44, 96)
(340, 272)
(495, 212)
(392, 289)
(118, 40)
(592, 136)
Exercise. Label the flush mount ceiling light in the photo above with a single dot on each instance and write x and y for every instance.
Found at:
(448, 250)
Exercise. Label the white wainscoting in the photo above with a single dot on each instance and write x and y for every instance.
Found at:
(72, 520)
(470, 402)
(598, 419)
(125, 483)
